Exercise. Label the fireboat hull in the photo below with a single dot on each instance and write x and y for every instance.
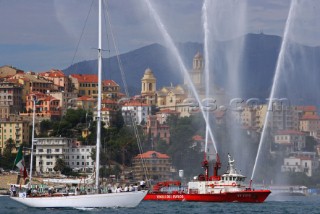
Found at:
(254, 196)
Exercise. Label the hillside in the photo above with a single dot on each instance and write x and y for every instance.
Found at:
(255, 71)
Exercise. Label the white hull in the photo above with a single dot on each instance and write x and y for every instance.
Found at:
(122, 199)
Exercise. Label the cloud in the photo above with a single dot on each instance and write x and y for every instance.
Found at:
(51, 29)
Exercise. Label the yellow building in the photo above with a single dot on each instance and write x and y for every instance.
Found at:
(86, 103)
(110, 90)
(196, 74)
(175, 97)
(15, 128)
(85, 84)
(148, 87)
(171, 97)
(249, 117)
(280, 117)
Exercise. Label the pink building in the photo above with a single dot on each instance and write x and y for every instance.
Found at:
(156, 130)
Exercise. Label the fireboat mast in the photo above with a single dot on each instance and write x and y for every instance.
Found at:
(205, 165)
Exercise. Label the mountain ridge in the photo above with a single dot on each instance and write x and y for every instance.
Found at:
(256, 70)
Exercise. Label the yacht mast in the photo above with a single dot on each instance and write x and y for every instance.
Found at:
(99, 101)
(32, 138)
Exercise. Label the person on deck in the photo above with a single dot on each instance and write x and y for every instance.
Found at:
(14, 190)
(67, 190)
(142, 184)
(11, 190)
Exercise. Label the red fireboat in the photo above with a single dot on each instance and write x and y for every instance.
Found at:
(228, 187)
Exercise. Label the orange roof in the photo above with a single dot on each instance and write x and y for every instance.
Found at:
(86, 78)
(121, 94)
(49, 98)
(289, 132)
(36, 93)
(310, 117)
(108, 101)
(52, 73)
(109, 82)
(304, 158)
(135, 103)
(197, 138)
(307, 108)
(84, 98)
(152, 154)
(107, 109)
(219, 114)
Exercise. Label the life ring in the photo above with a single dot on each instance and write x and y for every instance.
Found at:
(234, 184)
(212, 185)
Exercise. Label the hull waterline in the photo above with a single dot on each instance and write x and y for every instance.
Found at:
(254, 196)
(123, 199)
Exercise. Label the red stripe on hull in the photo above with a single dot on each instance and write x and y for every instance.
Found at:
(256, 196)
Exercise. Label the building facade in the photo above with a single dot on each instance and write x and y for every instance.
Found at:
(10, 99)
(48, 150)
(67, 100)
(156, 131)
(110, 90)
(85, 84)
(7, 70)
(158, 166)
(60, 81)
(148, 87)
(46, 106)
(15, 128)
(135, 111)
(307, 164)
(290, 140)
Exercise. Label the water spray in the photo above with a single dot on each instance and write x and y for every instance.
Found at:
(174, 50)
(280, 62)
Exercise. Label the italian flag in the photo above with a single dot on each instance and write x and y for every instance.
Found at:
(19, 162)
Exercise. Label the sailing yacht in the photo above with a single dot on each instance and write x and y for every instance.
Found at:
(120, 199)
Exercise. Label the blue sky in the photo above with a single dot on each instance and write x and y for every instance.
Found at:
(40, 35)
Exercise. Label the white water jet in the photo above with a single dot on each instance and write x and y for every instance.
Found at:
(279, 68)
(226, 23)
(206, 62)
(184, 70)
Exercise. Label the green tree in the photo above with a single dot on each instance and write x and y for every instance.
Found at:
(123, 146)
(60, 165)
(118, 122)
(72, 123)
(45, 126)
(310, 143)
(184, 154)
(10, 145)
(8, 157)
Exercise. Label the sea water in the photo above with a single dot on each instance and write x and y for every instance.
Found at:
(297, 204)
